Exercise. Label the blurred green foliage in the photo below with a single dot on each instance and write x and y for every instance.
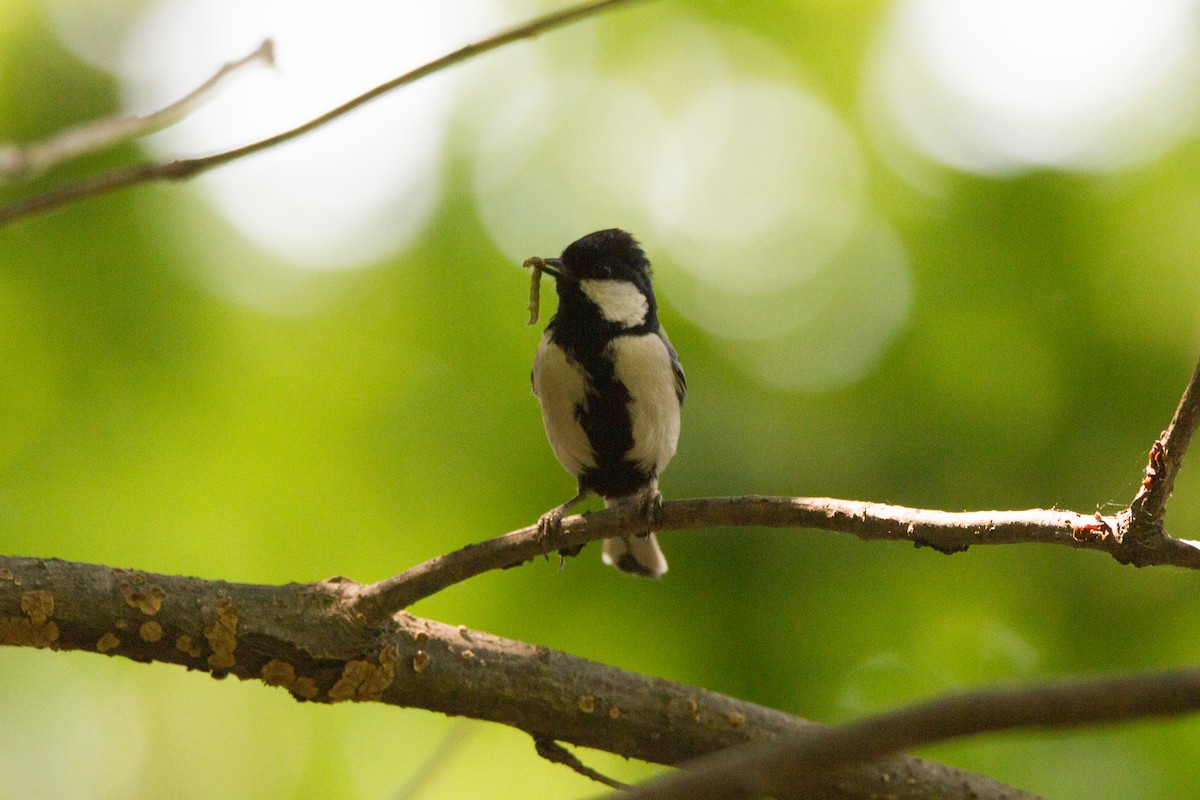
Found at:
(147, 421)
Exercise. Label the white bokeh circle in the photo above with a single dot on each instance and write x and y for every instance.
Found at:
(748, 193)
(339, 196)
(1002, 85)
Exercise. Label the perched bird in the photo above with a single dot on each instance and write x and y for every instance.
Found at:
(610, 387)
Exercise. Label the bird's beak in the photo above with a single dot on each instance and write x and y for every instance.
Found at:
(552, 266)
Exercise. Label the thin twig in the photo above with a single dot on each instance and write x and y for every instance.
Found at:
(25, 161)
(758, 769)
(555, 753)
(945, 531)
(1166, 456)
(183, 169)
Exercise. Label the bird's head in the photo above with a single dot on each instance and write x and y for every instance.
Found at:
(610, 254)
(610, 270)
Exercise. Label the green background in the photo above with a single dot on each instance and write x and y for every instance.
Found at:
(146, 422)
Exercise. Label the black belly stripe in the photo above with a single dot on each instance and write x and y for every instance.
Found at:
(605, 417)
(604, 413)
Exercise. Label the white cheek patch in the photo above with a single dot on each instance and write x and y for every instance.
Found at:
(618, 301)
(644, 366)
(559, 384)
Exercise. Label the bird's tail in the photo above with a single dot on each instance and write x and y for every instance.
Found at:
(636, 555)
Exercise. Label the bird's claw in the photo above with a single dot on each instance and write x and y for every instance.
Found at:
(651, 507)
(550, 523)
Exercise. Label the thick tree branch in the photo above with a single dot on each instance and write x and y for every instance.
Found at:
(948, 532)
(24, 161)
(137, 174)
(307, 639)
(789, 765)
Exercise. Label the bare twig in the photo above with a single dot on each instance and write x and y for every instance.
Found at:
(25, 161)
(945, 531)
(137, 174)
(948, 532)
(554, 752)
(758, 769)
(1166, 455)
(307, 639)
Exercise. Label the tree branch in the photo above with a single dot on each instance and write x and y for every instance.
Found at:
(24, 161)
(776, 768)
(137, 174)
(945, 531)
(1124, 536)
(308, 639)
(1143, 524)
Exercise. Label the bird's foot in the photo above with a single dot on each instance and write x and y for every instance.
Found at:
(652, 504)
(550, 525)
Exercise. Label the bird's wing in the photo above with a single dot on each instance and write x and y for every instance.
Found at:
(676, 367)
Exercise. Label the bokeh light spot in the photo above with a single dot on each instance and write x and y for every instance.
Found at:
(342, 195)
(748, 193)
(1001, 85)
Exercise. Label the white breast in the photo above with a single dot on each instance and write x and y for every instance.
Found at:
(559, 385)
(643, 364)
(618, 301)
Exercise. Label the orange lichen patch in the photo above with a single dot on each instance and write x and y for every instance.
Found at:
(736, 719)
(586, 703)
(24, 632)
(278, 673)
(148, 600)
(109, 641)
(39, 605)
(222, 636)
(281, 673)
(6, 574)
(184, 644)
(420, 661)
(362, 680)
(150, 631)
(614, 713)
(35, 629)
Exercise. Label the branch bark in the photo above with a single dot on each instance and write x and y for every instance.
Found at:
(308, 639)
(945, 531)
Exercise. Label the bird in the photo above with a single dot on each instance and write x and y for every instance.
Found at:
(610, 387)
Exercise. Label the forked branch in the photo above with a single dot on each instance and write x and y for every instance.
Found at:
(25, 161)
(152, 172)
(1147, 510)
